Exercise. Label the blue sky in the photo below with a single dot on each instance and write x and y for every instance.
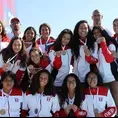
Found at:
(62, 14)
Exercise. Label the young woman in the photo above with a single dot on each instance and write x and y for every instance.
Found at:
(11, 98)
(13, 58)
(60, 56)
(36, 62)
(41, 101)
(46, 40)
(104, 53)
(30, 39)
(71, 97)
(98, 100)
(4, 40)
(84, 48)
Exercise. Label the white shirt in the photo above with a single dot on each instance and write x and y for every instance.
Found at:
(10, 35)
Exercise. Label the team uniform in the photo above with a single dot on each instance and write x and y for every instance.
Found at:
(104, 59)
(14, 66)
(4, 41)
(10, 104)
(40, 105)
(82, 63)
(98, 100)
(60, 64)
(78, 113)
(45, 45)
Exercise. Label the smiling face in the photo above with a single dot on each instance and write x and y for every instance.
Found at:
(96, 34)
(92, 80)
(17, 46)
(43, 79)
(66, 39)
(83, 30)
(71, 83)
(45, 32)
(35, 57)
(8, 83)
(29, 35)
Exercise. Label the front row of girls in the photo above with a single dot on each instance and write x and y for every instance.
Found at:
(41, 99)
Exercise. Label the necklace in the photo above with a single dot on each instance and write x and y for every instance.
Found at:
(95, 109)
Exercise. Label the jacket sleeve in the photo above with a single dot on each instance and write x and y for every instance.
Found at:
(56, 62)
(80, 113)
(111, 108)
(55, 104)
(106, 52)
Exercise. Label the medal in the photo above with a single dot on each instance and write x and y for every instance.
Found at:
(2, 111)
(36, 111)
(63, 52)
(96, 110)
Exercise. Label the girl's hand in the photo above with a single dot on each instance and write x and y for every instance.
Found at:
(5, 67)
(74, 108)
(101, 39)
(87, 52)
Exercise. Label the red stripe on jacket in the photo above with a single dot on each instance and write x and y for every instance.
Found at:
(107, 54)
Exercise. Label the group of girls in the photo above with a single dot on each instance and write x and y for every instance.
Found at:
(41, 69)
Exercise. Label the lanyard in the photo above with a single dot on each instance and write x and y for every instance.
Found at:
(84, 43)
(46, 41)
(94, 102)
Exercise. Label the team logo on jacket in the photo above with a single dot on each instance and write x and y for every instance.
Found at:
(48, 99)
(100, 99)
(16, 100)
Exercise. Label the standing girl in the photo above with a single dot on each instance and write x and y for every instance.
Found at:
(30, 39)
(84, 48)
(46, 40)
(60, 56)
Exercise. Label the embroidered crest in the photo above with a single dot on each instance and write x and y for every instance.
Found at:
(16, 100)
(100, 99)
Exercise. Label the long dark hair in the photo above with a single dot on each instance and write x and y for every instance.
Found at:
(100, 79)
(57, 44)
(78, 93)
(8, 52)
(76, 42)
(34, 39)
(104, 34)
(35, 85)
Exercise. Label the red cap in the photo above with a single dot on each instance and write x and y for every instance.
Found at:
(15, 19)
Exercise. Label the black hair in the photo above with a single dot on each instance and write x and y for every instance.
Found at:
(76, 42)
(78, 93)
(8, 52)
(57, 44)
(99, 77)
(11, 75)
(35, 85)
